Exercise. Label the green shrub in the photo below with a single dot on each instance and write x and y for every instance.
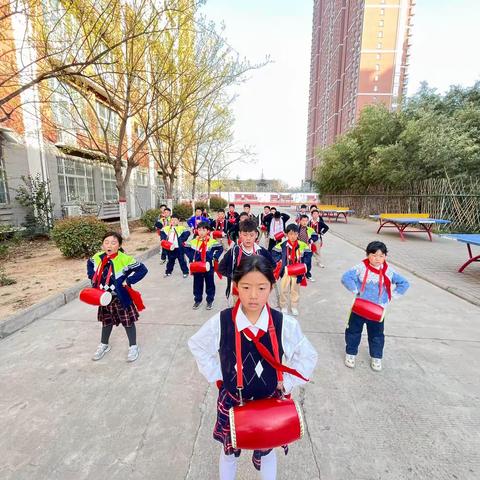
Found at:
(150, 217)
(183, 210)
(217, 203)
(79, 236)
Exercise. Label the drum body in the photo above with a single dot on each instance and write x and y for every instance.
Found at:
(167, 245)
(369, 310)
(296, 269)
(199, 267)
(217, 234)
(267, 423)
(263, 228)
(95, 296)
(278, 236)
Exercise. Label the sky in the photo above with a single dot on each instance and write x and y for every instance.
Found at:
(272, 105)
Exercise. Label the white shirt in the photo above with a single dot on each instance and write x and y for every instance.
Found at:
(276, 226)
(297, 350)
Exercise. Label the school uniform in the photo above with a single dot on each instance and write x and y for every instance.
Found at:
(193, 221)
(308, 236)
(288, 254)
(378, 286)
(232, 225)
(275, 226)
(159, 224)
(221, 226)
(232, 258)
(207, 250)
(110, 274)
(177, 235)
(213, 347)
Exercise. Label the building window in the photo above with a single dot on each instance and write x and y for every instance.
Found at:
(382, 11)
(381, 23)
(142, 177)
(3, 181)
(379, 45)
(375, 78)
(377, 67)
(75, 180)
(109, 185)
(380, 34)
(375, 88)
(109, 121)
(379, 56)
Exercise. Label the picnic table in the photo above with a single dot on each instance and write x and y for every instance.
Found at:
(409, 223)
(334, 211)
(470, 239)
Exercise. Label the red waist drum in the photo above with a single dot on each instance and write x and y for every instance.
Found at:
(166, 245)
(369, 310)
(199, 267)
(296, 269)
(263, 228)
(95, 296)
(217, 234)
(278, 236)
(267, 423)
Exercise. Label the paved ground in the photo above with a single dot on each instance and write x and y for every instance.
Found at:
(65, 417)
(437, 261)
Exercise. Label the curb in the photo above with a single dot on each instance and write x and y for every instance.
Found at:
(454, 291)
(19, 320)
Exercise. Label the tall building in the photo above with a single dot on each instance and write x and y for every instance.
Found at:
(360, 55)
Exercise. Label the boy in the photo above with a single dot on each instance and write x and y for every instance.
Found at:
(303, 211)
(248, 210)
(177, 235)
(377, 282)
(246, 247)
(320, 228)
(232, 221)
(193, 221)
(161, 222)
(263, 226)
(220, 225)
(290, 251)
(203, 249)
(276, 224)
(308, 236)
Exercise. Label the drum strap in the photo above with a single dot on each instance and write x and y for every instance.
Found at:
(382, 278)
(98, 273)
(273, 360)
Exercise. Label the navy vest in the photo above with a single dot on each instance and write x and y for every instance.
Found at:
(259, 377)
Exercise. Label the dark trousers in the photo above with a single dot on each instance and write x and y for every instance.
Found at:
(164, 254)
(173, 255)
(353, 335)
(131, 334)
(307, 258)
(271, 243)
(204, 278)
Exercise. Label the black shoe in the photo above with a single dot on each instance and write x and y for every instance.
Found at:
(209, 306)
(167, 275)
(196, 305)
(162, 261)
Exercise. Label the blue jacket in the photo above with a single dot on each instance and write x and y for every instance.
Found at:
(228, 264)
(280, 252)
(191, 221)
(352, 280)
(125, 269)
(182, 235)
(214, 250)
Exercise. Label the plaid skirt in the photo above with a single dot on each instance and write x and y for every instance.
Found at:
(115, 313)
(221, 431)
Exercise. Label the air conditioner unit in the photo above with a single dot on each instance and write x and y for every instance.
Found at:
(72, 211)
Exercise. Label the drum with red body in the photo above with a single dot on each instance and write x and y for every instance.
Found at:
(278, 236)
(369, 310)
(95, 296)
(167, 245)
(199, 267)
(263, 228)
(217, 234)
(267, 423)
(314, 248)
(296, 269)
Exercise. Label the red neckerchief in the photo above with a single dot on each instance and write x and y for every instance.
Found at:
(273, 360)
(314, 225)
(203, 248)
(293, 253)
(231, 217)
(383, 278)
(99, 272)
(219, 223)
(240, 252)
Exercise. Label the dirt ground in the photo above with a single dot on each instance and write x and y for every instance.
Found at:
(41, 271)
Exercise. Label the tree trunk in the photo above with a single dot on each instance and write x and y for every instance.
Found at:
(209, 189)
(168, 183)
(122, 201)
(194, 187)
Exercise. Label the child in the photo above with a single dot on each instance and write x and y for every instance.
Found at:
(276, 224)
(308, 236)
(245, 248)
(320, 228)
(290, 251)
(193, 221)
(203, 249)
(232, 221)
(109, 270)
(220, 225)
(303, 211)
(161, 222)
(377, 282)
(213, 347)
(235, 230)
(177, 235)
(248, 210)
(263, 226)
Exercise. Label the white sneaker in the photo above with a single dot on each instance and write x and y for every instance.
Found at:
(133, 353)
(311, 279)
(102, 349)
(350, 361)
(294, 311)
(285, 310)
(321, 265)
(376, 364)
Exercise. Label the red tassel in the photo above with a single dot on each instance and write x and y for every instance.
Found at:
(215, 267)
(277, 270)
(303, 283)
(136, 298)
(219, 384)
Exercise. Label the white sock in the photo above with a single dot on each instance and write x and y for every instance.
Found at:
(268, 469)
(227, 466)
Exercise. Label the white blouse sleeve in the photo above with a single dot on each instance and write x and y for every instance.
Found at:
(204, 347)
(299, 353)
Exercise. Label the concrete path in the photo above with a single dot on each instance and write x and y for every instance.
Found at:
(65, 417)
